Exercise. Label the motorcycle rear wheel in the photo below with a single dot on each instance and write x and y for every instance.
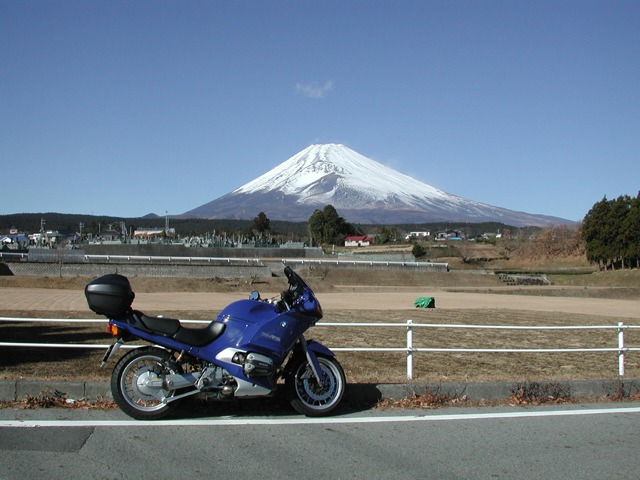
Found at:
(306, 395)
(130, 383)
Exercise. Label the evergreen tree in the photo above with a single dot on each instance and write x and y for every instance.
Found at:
(315, 226)
(594, 231)
(261, 224)
(631, 228)
(327, 227)
(619, 238)
(386, 235)
(611, 231)
(418, 251)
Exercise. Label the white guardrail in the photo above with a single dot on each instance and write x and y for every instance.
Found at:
(409, 349)
(13, 255)
(153, 258)
(343, 261)
(258, 261)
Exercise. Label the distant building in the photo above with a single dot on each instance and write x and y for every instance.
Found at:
(448, 235)
(417, 235)
(110, 236)
(46, 239)
(14, 241)
(358, 241)
(148, 233)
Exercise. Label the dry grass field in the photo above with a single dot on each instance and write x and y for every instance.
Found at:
(370, 367)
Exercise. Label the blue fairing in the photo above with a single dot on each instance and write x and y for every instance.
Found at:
(258, 326)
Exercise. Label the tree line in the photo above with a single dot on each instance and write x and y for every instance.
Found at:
(324, 227)
(611, 231)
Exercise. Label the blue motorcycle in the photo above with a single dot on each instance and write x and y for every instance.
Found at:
(244, 353)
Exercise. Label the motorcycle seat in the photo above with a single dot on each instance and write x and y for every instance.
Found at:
(199, 337)
(171, 327)
(162, 325)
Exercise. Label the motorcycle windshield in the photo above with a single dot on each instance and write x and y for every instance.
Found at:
(309, 305)
(306, 302)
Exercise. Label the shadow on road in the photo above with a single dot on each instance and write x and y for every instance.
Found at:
(358, 397)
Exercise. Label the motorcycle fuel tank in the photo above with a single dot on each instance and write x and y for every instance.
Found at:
(255, 325)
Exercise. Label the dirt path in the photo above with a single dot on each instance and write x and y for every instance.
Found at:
(39, 299)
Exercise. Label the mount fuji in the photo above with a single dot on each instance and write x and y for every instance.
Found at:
(361, 190)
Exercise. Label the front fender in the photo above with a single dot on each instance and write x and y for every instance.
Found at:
(318, 348)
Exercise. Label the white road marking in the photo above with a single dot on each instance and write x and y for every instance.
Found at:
(227, 421)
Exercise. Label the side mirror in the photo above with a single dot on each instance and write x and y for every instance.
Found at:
(255, 295)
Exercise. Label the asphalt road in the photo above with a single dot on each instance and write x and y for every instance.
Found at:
(569, 442)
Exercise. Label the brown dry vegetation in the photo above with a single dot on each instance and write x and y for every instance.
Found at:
(74, 364)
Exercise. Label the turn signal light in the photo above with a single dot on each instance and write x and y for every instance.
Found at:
(113, 330)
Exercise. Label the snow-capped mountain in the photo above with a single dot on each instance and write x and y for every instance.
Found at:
(362, 191)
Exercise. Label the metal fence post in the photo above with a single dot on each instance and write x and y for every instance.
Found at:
(409, 350)
(621, 349)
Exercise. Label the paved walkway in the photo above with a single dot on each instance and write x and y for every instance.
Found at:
(40, 299)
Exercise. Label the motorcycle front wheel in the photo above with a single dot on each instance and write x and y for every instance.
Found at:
(136, 383)
(306, 395)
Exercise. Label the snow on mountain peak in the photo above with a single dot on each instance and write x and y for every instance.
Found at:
(361, 189)
(336, 174)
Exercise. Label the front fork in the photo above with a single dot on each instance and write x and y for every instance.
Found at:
(313, 362)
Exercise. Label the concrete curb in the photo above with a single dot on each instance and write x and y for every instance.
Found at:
(476, 391)
(14, 390)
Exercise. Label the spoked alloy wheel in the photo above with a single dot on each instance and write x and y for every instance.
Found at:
(307, 396)
(135, 383)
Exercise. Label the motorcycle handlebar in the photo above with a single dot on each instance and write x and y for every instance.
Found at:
(295, 295)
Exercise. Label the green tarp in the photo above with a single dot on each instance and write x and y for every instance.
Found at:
(425, 302)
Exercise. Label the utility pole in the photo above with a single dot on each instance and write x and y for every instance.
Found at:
(43, 222)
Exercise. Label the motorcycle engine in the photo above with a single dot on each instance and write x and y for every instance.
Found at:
(216, 382)
(256, 365)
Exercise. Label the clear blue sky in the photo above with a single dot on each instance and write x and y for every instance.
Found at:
(130, 107)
